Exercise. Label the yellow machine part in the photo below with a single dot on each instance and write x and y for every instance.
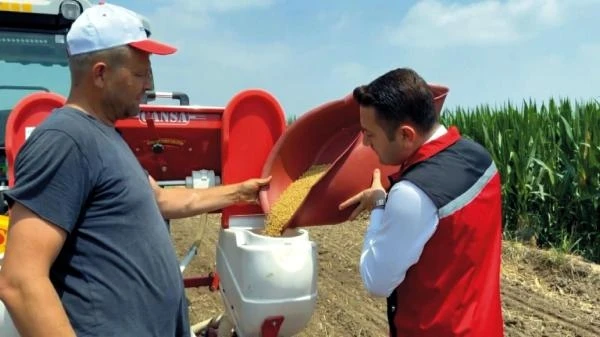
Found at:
(3, 232)
(11, 6)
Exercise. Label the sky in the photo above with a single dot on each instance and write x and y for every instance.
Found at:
(307, 53)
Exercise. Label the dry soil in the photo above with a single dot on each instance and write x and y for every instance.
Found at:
(544, 293)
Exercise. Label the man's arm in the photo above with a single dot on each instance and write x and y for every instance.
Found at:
(176, 203)
(52, 181)
(25, 287)
(396, 237)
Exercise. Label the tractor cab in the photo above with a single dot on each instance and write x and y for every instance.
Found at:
(33, 53)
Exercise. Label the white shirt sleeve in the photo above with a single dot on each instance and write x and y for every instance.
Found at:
(395, 237)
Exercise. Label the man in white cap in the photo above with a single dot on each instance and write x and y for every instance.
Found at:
(89, 253)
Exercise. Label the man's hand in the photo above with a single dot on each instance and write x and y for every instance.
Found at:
(366, 198)
(247, 191)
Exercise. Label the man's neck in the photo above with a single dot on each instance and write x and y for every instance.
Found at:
(436, 131)
(88, 106)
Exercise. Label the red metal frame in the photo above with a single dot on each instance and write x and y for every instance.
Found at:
(211, 281)
(189, 138)
(27, 113)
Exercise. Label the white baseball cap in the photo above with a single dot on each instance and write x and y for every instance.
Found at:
(105, 26)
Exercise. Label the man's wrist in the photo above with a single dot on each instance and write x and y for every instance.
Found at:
(236, 195)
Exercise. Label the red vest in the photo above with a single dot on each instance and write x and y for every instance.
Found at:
(454, 288)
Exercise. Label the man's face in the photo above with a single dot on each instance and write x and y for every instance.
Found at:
(390, 151)
(127, 84)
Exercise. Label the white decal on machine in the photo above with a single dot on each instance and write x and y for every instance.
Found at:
(164, 117)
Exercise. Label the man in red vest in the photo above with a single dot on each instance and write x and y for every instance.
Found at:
(433, 243)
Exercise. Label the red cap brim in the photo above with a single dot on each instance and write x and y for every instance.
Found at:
(154, 47)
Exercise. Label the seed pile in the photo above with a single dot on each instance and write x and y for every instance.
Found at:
(289, 201)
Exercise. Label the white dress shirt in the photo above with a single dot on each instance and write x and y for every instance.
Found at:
(396, 235)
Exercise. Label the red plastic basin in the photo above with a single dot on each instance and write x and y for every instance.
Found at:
(328, 134)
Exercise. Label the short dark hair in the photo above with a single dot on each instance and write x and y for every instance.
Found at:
(398, 96)
(80, 63)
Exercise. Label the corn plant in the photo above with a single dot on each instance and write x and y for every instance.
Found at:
(549, 159)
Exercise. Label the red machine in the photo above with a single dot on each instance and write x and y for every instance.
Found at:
(172, 142)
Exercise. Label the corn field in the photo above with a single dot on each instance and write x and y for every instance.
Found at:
(549, 159)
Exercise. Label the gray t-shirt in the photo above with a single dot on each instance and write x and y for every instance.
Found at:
(117, 274)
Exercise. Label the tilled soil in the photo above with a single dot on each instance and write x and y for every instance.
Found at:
(544, 293)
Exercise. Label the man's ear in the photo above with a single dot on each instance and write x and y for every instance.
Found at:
(406, 133)
(99, 71)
